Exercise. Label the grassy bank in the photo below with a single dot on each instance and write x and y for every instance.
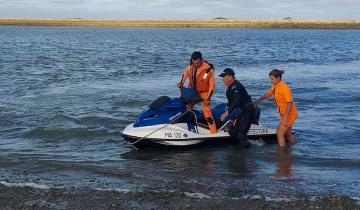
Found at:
(200, 23)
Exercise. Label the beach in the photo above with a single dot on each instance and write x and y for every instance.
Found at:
(86, 198)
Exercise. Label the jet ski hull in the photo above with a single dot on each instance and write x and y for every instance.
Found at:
(176, 137)
(168, 123)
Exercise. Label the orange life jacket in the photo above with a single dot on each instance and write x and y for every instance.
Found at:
(199, 77)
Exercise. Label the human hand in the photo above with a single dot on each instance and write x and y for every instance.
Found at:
(206, 101)
(179, 85)
(223, 116)
(283, 120)
(189, 107)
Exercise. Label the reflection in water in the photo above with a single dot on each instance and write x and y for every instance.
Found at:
(200, 162)
(284, 162)
(212, 161)
(237, 162)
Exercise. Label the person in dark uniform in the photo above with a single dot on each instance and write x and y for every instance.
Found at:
(238, 98)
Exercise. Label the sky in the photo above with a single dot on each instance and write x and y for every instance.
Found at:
(181, 9)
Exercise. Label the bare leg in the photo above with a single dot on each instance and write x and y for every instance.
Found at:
(284, 162)
(290, 138)
(280, 134)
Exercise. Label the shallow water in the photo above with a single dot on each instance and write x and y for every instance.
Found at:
(67, 93)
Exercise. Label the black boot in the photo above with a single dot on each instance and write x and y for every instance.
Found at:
(243, 142)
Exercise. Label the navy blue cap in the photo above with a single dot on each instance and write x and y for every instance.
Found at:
(227, 71)
(196, 55)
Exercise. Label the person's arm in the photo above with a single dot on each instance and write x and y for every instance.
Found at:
(267, 95)
(289, 100)
(263, 97)
(224, 115)
(184, 77)
(211, 86)
(288, 108)
(232, 104)
(211, 83)
(235, 100)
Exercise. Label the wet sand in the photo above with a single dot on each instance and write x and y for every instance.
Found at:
(87, 198)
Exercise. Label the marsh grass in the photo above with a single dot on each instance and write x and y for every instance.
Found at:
(197, 23)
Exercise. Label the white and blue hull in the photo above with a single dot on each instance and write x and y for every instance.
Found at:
(179, 135)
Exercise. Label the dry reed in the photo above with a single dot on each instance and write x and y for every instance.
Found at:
(199, 23)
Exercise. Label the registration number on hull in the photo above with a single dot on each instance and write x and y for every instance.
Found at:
(174, 135)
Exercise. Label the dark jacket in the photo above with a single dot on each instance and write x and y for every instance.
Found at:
(237, 97)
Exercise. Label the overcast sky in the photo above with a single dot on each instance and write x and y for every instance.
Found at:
(248, 9)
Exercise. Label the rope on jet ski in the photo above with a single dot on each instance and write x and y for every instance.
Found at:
(137, 141)
(189, 110)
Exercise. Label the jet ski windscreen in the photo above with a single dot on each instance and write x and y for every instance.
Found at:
(159, 102)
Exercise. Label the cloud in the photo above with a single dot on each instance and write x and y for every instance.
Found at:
(181, 8)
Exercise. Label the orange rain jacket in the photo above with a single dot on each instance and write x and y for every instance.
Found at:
(204, 81)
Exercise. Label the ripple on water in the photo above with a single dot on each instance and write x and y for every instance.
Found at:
(56, 134)
(69, 92)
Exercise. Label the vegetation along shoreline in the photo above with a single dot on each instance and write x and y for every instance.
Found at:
(185, 23)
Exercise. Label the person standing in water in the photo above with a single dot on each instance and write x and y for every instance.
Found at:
(201, 78)
(238, 97)
(284, 101)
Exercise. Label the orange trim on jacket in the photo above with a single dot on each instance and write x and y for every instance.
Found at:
(203, 81)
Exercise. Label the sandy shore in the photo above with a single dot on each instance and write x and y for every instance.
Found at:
(86, 198)
(197, 23)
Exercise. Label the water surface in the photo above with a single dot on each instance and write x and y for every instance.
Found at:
(67, 93)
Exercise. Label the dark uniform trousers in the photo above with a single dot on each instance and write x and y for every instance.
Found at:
(242, 124)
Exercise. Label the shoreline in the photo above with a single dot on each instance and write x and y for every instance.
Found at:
(27, 197)
(185, 23)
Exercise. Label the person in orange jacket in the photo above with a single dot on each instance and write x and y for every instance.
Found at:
(284, 101)
(202, 79)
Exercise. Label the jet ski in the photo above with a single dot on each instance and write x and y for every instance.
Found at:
(168, 123)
